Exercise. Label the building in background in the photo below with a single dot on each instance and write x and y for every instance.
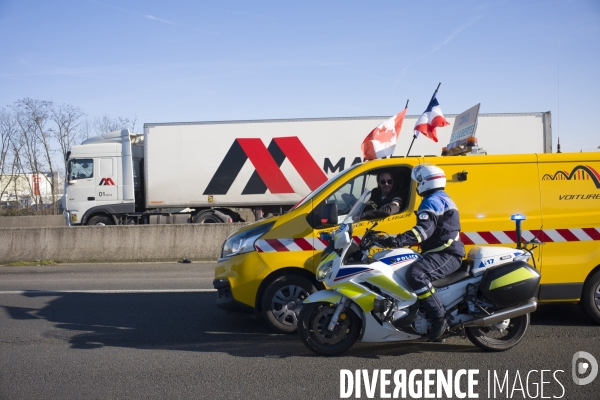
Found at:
(30, 190)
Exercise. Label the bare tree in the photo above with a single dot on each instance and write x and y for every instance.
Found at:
(68, 120)
(32, 117)
(7, 133)
(86, 130)
(21, 156)
(32, 135)
(107, 124)
(129, 124)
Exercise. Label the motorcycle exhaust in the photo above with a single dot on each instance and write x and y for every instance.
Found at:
(501, 315)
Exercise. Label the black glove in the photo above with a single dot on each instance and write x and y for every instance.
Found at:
(390, 242)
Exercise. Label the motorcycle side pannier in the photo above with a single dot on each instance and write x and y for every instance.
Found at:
(510, 284)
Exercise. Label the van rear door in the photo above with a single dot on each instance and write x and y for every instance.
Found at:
(570, 187)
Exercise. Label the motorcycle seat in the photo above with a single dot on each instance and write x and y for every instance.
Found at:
(463, 272)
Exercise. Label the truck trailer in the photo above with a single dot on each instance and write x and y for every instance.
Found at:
(205, 172)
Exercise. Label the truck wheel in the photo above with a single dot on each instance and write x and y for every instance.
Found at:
(282, 301)
(208, 217)
(100, 220)
(590, 297)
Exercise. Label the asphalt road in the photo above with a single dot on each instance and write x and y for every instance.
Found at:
(152, 331)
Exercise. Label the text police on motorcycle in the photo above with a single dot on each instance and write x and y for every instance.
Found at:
(437, 232)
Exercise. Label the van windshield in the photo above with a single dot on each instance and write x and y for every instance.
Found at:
(323, 186)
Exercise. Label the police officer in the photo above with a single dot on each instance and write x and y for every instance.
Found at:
(437, 233)
(385, 199)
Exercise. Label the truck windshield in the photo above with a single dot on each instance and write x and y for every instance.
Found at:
(81, 168)
(323, 186)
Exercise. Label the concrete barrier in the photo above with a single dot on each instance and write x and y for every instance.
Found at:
(114, 243)
(33, 221)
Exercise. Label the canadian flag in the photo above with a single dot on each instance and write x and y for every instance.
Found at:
(381, 142)
(432, 118)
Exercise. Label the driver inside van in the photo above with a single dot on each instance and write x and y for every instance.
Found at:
(386, 198)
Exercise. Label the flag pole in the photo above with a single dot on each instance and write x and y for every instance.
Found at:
(405, 107)
(410, 147)
(436, 89)
(414, 137)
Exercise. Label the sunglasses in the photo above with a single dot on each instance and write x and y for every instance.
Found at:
(388, 181)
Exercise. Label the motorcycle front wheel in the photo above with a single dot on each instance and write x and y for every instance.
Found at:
(501, 336)
(312, 326)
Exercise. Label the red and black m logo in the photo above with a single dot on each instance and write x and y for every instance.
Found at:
(106, 182)
(266, 162)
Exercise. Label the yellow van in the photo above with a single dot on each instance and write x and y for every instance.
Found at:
(268, 267)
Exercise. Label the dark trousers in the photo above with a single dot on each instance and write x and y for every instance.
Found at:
(421, 273)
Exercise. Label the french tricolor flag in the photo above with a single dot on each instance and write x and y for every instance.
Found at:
(431, 119)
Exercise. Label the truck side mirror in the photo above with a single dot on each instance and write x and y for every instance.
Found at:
(329, 214)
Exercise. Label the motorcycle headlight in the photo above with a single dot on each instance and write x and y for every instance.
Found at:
(324, 269)
(243, 242)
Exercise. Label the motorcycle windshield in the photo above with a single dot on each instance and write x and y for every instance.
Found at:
(354, 214)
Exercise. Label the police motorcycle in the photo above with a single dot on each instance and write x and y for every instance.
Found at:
(488, 299)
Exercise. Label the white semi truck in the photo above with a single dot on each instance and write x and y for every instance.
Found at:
(201, 172)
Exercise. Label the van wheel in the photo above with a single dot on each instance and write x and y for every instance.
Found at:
(590, 297)
(100, 220)
(282, 301)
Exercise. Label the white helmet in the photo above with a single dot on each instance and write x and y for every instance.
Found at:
(428, 177)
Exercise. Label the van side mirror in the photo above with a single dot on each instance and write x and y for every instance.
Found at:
(329, 214)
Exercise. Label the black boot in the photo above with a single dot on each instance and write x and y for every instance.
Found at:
(438, 328)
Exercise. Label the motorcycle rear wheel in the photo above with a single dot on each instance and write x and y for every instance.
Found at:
(489, 338)
(312, 327)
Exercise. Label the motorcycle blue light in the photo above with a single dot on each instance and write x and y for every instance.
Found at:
(517, 217)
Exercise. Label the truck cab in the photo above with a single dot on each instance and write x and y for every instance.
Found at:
(103, 176)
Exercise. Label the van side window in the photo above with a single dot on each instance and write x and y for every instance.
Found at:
(400, 188)
(347, 194)
(345, 197)
(81, 168)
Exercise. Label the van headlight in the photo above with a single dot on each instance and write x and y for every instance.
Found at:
(243, 242)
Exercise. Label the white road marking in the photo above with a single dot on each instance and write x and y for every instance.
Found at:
(58, 292)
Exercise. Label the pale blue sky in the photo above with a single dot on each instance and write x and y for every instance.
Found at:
(182, 61)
